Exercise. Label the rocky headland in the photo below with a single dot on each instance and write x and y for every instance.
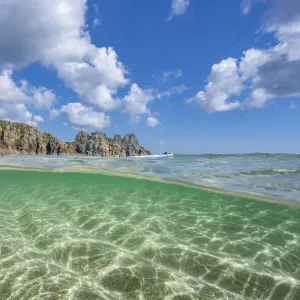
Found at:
(18, 138)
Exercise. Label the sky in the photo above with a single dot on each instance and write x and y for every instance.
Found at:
(186, 76)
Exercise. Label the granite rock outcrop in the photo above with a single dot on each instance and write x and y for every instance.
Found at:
(18, 138)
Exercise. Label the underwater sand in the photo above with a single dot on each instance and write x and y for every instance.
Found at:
(95, 236)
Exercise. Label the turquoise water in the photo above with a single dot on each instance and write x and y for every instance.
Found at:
(93, 236)
(274, 176)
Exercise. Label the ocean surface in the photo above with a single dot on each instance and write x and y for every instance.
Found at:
(275, 176)
(69, 233)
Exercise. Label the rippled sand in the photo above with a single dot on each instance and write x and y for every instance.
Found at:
(92, 236)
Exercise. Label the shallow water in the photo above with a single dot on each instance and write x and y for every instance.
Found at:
(91, 236)
(274, 176)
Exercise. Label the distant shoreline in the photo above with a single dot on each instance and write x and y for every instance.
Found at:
(19, 138)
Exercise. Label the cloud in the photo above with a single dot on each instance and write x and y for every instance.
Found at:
(17, 98)
(23, 93)
(54, 113)
(102, 74)
(260, 75)
(258, 99)
(95, 8)
(246, 6)
(9, 91)
(101, 97)
(84, 117)
(152, 122)
(15, 112)
(280, 78)
(96, 22)
(179, 89)
(38, 118)
(166, 75)
(136, 101)
(293, 105)
(178, 7)
(54, 34)
(252, 60)
(161, 143)
(223, 82)
(36, 27)
(42, 97)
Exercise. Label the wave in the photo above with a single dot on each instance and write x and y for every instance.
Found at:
(271, 175)
(243, 155)
(152, 156)
(273, 171)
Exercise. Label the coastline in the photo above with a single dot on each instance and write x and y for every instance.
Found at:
(103, 171)
(20, 138)
(70, 154)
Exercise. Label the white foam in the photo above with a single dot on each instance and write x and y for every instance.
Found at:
(153, 156)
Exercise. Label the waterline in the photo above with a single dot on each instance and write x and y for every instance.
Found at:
(275, 176)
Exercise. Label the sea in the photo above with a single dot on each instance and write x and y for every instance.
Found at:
(172, 227)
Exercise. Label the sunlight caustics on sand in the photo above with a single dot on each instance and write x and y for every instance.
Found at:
(93, 236)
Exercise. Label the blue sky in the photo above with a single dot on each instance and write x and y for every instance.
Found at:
(186, 76)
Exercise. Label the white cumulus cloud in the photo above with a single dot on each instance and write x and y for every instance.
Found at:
(35, 28)
(55, 34)
(9, 91)
(258, 99)
(152, 122)
(17, 98)
(42, 97)
(85, 117)
(137, 100)
(223, 82)
(252, 60)
(260, 75)
(136, 103)
(15, 112)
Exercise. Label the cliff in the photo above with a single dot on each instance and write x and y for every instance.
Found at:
(18, 138)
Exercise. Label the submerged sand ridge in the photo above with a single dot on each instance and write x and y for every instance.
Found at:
(264, 176)
(73, 235)
(107, 172)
